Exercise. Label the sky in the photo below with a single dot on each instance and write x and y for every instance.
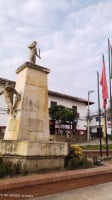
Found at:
(71, 35)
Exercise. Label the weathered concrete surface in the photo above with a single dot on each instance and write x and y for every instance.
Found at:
(31, 122)
(36, 156)
(26, 148)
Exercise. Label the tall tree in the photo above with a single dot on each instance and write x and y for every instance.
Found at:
(59, 112)
(62, 114)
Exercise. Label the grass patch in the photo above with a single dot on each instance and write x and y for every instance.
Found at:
(95, 147)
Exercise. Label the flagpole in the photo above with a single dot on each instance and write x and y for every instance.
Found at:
(99, 113)
(110, 82)
(105, 116)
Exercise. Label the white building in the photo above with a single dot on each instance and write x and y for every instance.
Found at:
(94, 125)
(78, 104)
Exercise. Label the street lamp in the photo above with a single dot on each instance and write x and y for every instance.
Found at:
(88, 134)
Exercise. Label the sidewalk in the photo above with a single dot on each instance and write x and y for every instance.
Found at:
(96, 192)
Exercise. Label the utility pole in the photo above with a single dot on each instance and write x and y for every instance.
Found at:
(88, 119)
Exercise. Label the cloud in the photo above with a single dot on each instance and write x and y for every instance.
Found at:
(71, 35)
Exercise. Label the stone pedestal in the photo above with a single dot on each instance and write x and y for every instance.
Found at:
(27, 134)
(31, 122)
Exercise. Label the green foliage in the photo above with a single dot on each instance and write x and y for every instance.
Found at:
(59, 112)
(76, 159)
(95, 147)
(76, 149)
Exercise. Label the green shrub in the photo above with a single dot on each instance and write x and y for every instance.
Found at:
(76, 159)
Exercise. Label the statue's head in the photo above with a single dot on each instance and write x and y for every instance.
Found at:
(34, 43)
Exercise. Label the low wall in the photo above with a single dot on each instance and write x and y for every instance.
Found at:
(37, 185)
(72, 137)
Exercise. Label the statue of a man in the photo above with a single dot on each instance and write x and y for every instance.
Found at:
(33, 52)
(12, 97)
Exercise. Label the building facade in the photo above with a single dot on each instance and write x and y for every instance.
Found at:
(69, 131)
(64, 132)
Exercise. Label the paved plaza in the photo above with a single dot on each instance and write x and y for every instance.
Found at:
(96, 192)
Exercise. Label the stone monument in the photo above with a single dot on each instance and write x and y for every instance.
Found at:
(27, 136)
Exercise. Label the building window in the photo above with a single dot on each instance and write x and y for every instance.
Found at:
(97, 119)
(53, 103)
(74, 108)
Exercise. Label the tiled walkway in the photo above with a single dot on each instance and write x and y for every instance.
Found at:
(96, 192)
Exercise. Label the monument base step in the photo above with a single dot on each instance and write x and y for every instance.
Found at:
(36, 163)
(35, 155)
